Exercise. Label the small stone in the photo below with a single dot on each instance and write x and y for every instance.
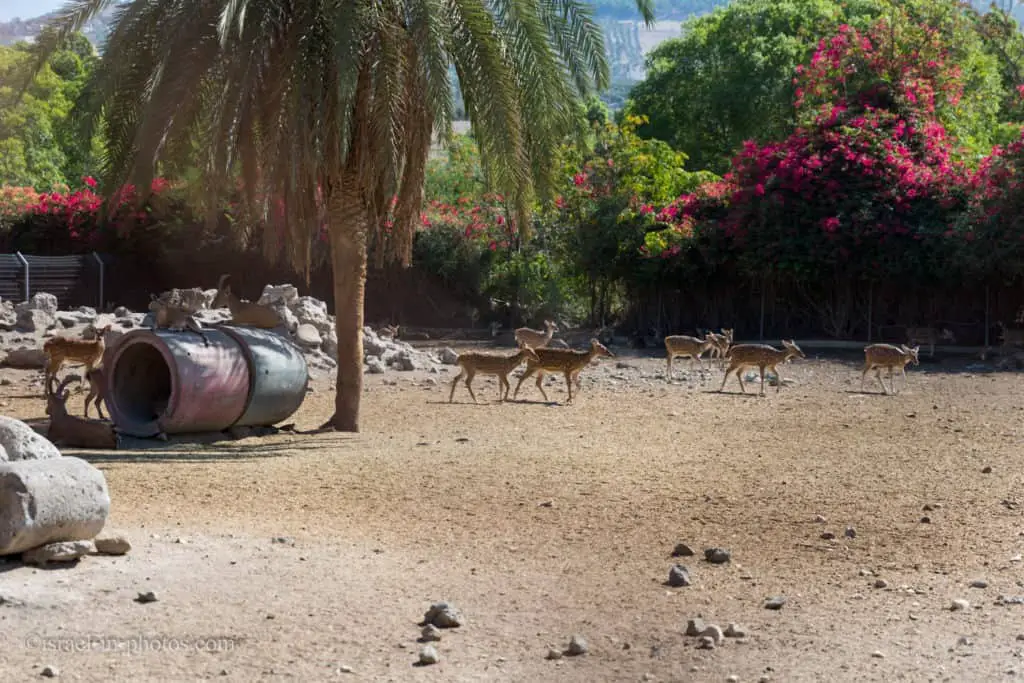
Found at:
(695, 626)
(678, 576)
(827, 536)
(775, 603)
(345, 669)
(428, 655)
(714, 632)
(1020, 636)
(959, 604)
(443, 615)
(64, 551)
(881, 583)
(986, 470)
(928, 508)
(850, 532)
(717, 555)
(964, 641)
(577, 646)
(764, 679)
(735, 631)
(50, 672)
(553, 654)
(682, 550)
(148, 596)
(865, 572)
(979, 583)
(878, 654)
(926, 520)
(820, 519)
(705, 643)
(430, 633)
(112, 545)
(733, 679)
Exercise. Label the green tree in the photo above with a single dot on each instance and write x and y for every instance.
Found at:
(730, 77)
(37, 145)
(325, 109)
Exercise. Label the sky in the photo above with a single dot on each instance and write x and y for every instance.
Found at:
(27, 9)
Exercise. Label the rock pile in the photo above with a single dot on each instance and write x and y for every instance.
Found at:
(26, 326)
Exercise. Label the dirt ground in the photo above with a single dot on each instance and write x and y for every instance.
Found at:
(544, 520)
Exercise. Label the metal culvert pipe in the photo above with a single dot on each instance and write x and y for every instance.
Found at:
(169, 381)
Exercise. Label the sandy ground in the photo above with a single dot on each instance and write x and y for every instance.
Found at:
(544, 520)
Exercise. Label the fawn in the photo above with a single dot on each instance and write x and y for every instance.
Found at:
(60, 350)
(567, 361)
(473, 363)
(929, 336)
(763, 356)
(244, 312)
(722, 342)
(172, 314)
(692, 347)
(536, 338)
(97, 391)
(878, 356)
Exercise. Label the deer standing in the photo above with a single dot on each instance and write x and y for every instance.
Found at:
(473, 363)
(762, 356)
(567, 361)
(683, 346)
(60, 350)
(536, 338)
(878, 356)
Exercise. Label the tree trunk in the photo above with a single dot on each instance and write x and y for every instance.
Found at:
(347, 223)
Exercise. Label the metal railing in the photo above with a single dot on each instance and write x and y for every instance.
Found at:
(81, 277)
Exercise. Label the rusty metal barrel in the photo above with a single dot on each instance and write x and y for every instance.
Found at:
(170, 381)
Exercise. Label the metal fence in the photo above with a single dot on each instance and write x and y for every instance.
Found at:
(75, 280)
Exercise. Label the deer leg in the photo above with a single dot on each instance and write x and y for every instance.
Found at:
(568, 384)
(778, 378)
(529, 371)
(454, 384)
(739, 376)
(863, 375)
(903, 371)
(762, 381)
(469, 384)
(892, 381)
(540, 384)
(701, 362)
(878, 376)
(502, 391)
(668, 369)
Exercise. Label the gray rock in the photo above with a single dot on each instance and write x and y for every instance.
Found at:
(40, 301)
(274, 295)
(145, 598)
(34, 320)
(959, 604)
(979, 583)
(312, 311)
(64, 551)
(405, 362)
(735, 631)
(682, 550)
(775, 603)
(577, 646)
(112, 545)
(50, 672)
(443, 615)
(714, 632)
(308, 336)
(553, 654)
(717, 555)
(705, 643)
(50, 500)
(678, 576)
(26, 358)
(827, 536)
(330, 343)
(121, 312)
(448, 356)
(694, 627)
(19, 442)
(850, 532)
(1010, 600)
(430, 633)
(881, 583)
(374, 366)
(429, 655)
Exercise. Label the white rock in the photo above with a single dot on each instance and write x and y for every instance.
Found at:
(112, 545)
(19, 442)
(428, 655)
(274, 295)
(310, 310)
(308, 336)
(959, 604)
(448, 356)
(35, 320)
(51, 500)
(40, 301)
(62, 551)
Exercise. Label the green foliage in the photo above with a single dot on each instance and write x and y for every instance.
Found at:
(455, 171)
(38, 144)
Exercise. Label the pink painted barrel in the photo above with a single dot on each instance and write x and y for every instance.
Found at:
(169, 381)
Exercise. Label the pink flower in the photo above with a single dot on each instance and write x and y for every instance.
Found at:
(90, 181)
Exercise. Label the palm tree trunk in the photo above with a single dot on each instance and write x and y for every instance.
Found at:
(347, 224)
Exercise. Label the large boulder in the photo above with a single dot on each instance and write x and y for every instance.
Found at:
(278, 295)
(19, 442)
(35, 320)
(25, 358)
(48, 501)
(312, 311)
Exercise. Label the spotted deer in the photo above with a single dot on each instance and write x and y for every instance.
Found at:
(536, 339)
(61, 350)
(722, 342)
(172, 314)
(761, 356)
(97, 391)
(569, 362)
(929, 336)
(73, 431)
(683, 346)
(473, 363)
(879, 356)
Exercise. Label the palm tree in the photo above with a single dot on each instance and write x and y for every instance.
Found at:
(327, 108)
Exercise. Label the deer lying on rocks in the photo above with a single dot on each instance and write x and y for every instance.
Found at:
(683, 346)
(171, 314)
(761, 356)
(474, 363)
(567, 361)
(72, 431)
(536, 339)
(244, 312)
(60, 350)
(878, 356)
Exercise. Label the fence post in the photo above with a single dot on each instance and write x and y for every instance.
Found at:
(764, 281)
(100, 262)
(986, 316)
(24, 262)
(871, 302)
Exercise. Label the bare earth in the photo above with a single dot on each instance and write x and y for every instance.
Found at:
(541, 520)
